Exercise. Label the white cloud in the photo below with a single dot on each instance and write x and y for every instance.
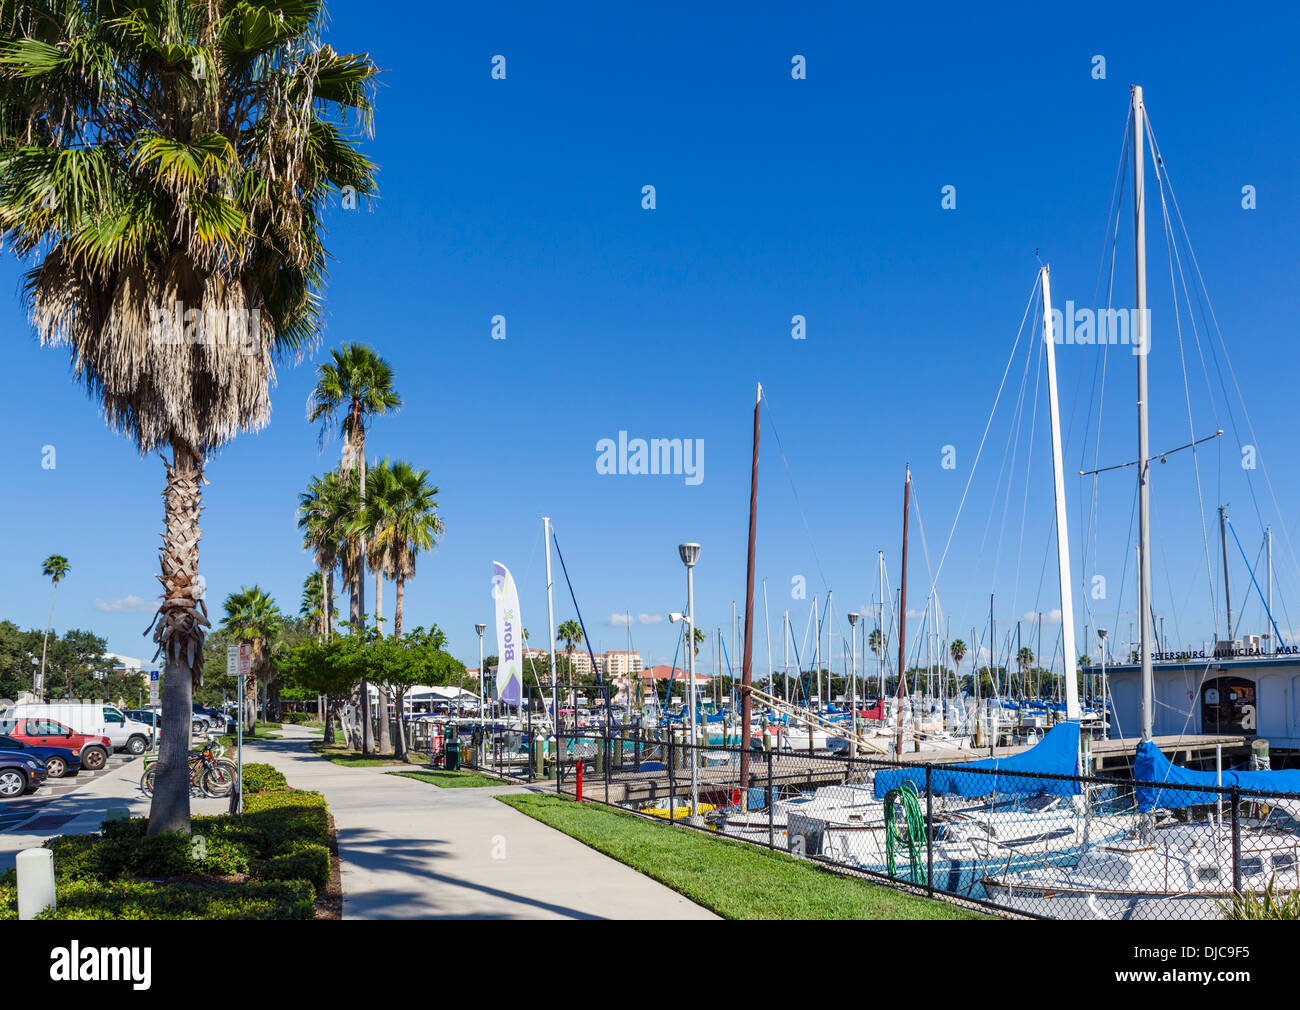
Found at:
(126, 605)
(1049, 617)
(651, 618)
(617, 620)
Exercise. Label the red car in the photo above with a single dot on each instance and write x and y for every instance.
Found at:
(94, 750)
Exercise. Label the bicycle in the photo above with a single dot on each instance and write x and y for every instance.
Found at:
(210, 775)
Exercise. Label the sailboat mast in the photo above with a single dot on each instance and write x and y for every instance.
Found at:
(902, 617)
(1062, 530)
(785, 645)
(880, 626)
(1227, 589)
(1143, 461)
(747, 665)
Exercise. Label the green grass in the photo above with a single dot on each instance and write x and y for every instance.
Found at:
(340, 755)
(451, 780)
(734, 879)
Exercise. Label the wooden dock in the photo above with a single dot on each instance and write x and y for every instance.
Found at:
(798, 771)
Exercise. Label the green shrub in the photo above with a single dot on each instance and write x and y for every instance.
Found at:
(300, 719)
(142, 899)
(171, 854)
(304, 861)
(281, 841)
(263, 778)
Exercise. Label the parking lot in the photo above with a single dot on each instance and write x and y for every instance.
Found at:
(17, 811)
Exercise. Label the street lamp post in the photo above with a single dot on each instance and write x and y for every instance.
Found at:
(853, 682)
(482, 675)
(690, 554)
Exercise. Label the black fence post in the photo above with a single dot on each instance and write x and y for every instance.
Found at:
(771, 804)
(672, 773)
(1235, 799)
(608, 744)
(929, 834)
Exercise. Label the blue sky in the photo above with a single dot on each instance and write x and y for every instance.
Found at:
(775, 197)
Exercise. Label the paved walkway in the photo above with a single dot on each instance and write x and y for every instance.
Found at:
(409, 850)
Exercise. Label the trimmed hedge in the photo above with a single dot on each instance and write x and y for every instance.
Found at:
(281, 843)
(263, 778)
(147, 899)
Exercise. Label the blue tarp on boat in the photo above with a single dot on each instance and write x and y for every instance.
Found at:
(1056, 754)
(1152, 766)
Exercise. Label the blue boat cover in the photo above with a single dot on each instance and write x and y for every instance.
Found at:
(1152, 766)
(1056, 754)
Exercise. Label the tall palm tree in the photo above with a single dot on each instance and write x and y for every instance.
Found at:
(319, 510)
(350, 390)
(406, 523)
(311, 604)
(54, 568)
(570, 633)
(957, 650)
(251, 615)
(175, 157)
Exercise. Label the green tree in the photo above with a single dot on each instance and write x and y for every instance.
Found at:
(351, 389)
(252, 616)
(160, 157)
(570, 633)
(54, 568)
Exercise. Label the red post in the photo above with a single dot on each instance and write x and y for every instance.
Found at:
(579, 781)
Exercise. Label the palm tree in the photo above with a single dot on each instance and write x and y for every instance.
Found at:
(311, 604)
(320, 511)
(570, 633)
(252, 616)
(54, 568)
(350, 390)
(957, 650)
(402, 520)
(176, 157)
(698, 638)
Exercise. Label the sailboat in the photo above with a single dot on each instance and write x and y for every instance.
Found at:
(1166, 866)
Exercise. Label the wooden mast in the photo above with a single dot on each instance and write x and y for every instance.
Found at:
(902, 619)
(747, 666)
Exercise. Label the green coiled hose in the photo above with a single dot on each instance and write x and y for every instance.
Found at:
(911, 832)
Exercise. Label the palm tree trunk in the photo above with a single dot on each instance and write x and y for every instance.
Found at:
(400, 748)
(397, 606)
(384, 742)
(178, 630)
(49, 621)
(329, 604)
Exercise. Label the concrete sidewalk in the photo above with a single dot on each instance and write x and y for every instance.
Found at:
(409, 850)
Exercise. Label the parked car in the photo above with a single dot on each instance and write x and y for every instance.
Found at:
(220, 722)
(92, 718)
(19, 773)
(59, 761)
(152, 718)
(92, 749)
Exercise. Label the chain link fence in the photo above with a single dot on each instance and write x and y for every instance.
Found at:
(1051, 846)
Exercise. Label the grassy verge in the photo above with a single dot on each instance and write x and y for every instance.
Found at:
(262, 731)
(340, 755)
(736, 880)
(271, 863)
(451, 780)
